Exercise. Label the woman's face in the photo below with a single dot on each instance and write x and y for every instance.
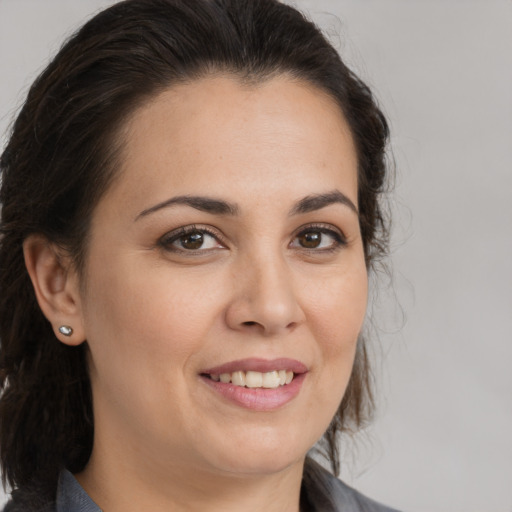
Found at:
(228, 249)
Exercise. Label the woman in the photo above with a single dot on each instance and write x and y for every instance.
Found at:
(190, 210)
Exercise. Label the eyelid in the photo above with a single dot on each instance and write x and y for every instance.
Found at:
(328, 229)
(165, 241)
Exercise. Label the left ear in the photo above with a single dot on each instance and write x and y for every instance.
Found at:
(57, 288)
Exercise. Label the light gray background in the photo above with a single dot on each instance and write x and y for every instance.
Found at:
(442, 441)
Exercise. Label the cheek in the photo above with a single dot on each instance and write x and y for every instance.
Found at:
(145, 317)
(337, 316)
(338, 307)
(144, 328)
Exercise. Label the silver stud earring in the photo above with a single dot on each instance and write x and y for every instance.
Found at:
(66, 330)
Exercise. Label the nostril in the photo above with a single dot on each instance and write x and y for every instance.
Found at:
(249, 323)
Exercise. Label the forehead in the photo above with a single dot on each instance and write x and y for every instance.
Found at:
(217, 132)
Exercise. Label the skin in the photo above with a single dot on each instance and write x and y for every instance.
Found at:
(155, 313)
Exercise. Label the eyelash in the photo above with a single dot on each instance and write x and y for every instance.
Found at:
(167, 241)
(338, 237)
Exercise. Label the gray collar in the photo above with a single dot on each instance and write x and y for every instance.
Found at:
(71, 497)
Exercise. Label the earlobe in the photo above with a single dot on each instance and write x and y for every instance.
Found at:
(56, 286)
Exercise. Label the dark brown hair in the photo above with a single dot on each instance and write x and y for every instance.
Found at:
(61, 157)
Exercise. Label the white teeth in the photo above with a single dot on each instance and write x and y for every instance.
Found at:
(271, 380)
(250, 379)
(253, 379)
(238, 378)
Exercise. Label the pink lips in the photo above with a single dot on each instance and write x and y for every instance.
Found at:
(257, 399)
(258, 365)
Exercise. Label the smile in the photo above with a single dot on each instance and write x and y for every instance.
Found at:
(257, 384)
(252, 379)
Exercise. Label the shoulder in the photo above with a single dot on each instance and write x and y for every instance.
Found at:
(35, 497)
(346, 494)
(327, 493)
(68, 497)
(28, 502)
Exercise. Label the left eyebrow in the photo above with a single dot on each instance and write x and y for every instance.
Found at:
(204, 204)
(318, 201)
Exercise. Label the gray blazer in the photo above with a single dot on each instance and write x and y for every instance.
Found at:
(323, 492)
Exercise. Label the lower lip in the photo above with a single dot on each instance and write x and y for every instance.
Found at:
(258, 399)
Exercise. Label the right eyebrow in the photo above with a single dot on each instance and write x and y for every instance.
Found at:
(204, 204)
(318, 201)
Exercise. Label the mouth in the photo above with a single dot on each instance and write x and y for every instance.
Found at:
(257, 384)
(252, 379)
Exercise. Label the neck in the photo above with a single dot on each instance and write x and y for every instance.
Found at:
(120, 484)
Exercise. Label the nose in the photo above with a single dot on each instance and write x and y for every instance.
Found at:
(265, 299)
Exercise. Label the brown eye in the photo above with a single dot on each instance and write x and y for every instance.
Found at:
(319, 238)
(192, 241)
(310, 239)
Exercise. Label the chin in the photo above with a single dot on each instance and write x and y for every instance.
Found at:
(265, 457)
(263, 465)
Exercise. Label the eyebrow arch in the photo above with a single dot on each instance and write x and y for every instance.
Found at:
(317, 201)
(204, 204)
(219, 207)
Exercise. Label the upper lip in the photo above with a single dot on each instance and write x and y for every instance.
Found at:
(258, 365)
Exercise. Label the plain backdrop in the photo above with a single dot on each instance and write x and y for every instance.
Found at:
(442, 71)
